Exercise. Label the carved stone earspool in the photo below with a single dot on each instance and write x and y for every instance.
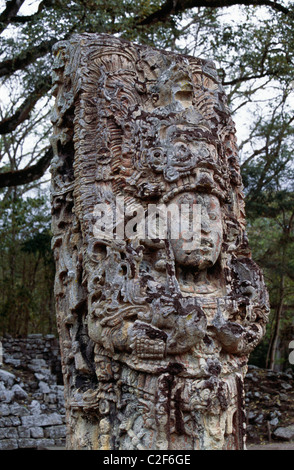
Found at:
(155, 330)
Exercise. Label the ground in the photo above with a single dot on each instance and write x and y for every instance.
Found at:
(273, 446)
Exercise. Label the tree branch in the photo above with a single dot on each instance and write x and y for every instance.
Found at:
(246, 78)
(26, 18)
(9, 66)
(27, 175)
(10, 11)
(276, 139)
(173, 7)
(23, 112)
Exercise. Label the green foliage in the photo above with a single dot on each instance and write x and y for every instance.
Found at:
(271, 233)
(27, 268)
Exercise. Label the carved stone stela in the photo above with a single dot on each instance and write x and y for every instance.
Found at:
(155, 338)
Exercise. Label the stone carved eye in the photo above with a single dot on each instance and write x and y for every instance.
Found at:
(183, 153)
(103, 155)
(155, 98)
(212, 215)
(157, 159)
(203, 150)
(186, 199)
(157, 155)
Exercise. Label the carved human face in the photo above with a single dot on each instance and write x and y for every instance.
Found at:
(207, 248)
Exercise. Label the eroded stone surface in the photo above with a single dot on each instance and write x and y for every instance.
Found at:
(155, 337)
(32, 416)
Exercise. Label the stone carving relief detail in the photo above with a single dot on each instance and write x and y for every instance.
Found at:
(154, 338)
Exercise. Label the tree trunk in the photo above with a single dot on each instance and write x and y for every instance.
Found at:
(278, 317)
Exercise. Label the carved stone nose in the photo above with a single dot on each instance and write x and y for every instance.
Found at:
(205, 226)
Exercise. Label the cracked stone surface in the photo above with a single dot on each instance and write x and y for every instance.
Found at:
(155, 337)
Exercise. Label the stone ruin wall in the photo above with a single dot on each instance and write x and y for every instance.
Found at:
(32, 413)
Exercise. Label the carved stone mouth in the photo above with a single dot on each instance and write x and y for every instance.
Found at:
(205, 249)
(206, 245)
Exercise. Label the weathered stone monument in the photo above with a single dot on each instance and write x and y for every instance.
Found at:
(159, 303)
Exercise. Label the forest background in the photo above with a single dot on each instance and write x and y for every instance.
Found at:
(252, 45)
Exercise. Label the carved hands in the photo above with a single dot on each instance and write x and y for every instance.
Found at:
(237, 339)
(174, 329)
